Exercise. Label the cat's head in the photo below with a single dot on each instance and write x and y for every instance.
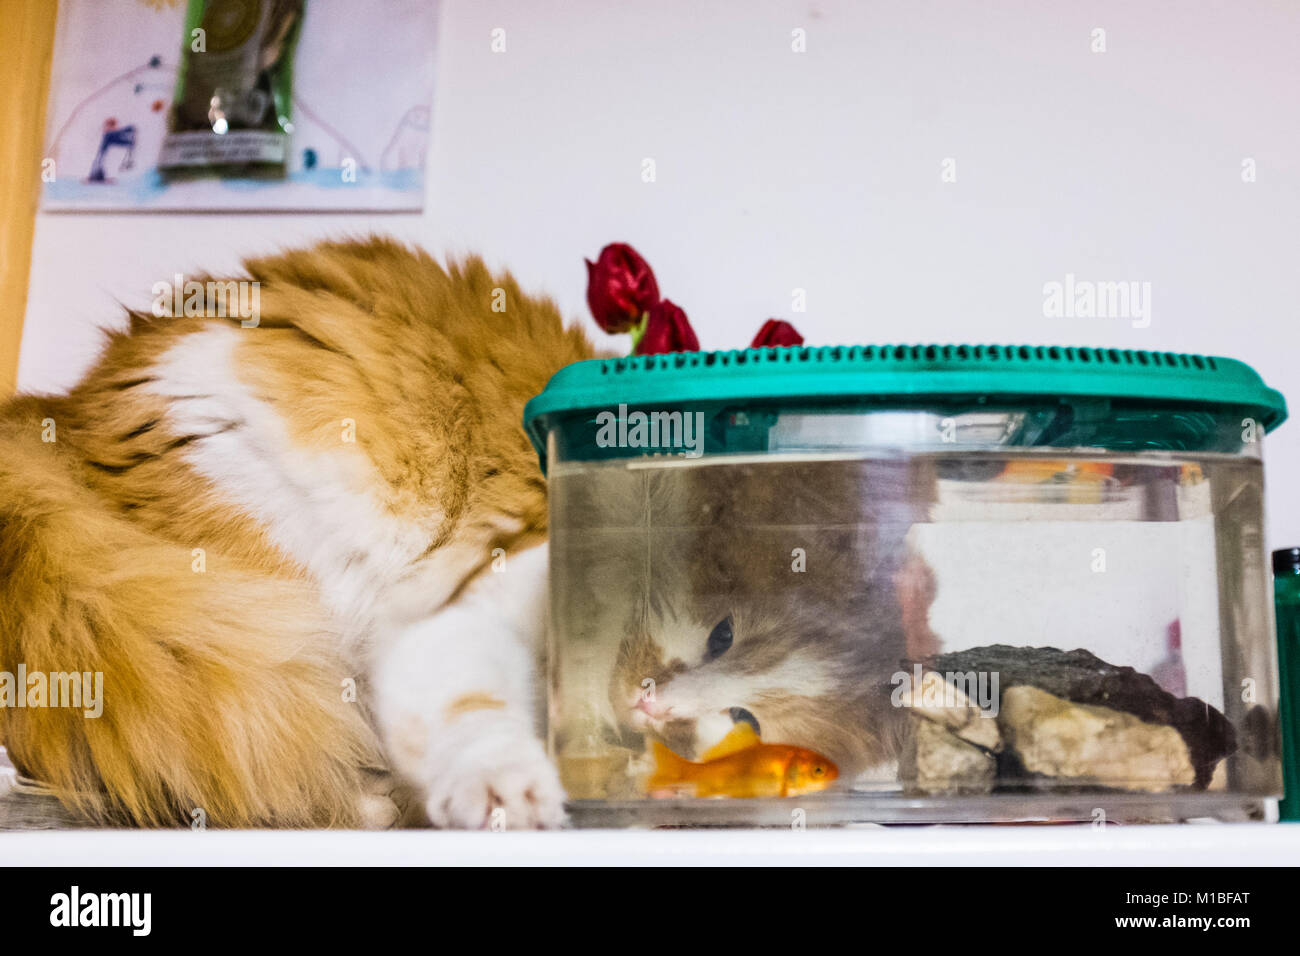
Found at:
(757, 592)
(801, 674)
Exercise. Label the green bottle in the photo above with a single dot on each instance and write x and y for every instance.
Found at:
(1286, 595)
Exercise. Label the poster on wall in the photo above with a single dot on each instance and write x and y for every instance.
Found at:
(349, 109)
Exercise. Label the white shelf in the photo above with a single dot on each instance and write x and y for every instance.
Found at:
(1251, 844)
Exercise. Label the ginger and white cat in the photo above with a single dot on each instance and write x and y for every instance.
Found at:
(276, 543)
(309, 556)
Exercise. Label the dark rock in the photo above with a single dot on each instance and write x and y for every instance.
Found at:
(1084, 678)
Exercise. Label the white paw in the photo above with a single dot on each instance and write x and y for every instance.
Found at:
(491, 772)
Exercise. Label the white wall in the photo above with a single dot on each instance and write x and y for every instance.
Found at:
(821, 171)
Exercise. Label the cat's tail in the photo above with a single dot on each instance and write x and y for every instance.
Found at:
(151, 683)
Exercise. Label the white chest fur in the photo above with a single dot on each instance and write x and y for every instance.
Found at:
(317, 505)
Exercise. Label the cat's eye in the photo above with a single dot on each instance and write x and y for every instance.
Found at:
(739, 715)
(720, 638)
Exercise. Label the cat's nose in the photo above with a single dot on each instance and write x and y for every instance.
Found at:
(652, 708)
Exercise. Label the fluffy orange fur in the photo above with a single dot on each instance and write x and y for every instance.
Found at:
(222, 684)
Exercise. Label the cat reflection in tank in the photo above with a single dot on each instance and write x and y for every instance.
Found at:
(796, 675)
(728, 633)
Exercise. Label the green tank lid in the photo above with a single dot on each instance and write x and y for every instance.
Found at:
(901, 376)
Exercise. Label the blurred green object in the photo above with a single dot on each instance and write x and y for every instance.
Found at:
(1286, 595)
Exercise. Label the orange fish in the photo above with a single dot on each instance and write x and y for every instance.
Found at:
(1084, 481)
(1047, 469)
(742, 766)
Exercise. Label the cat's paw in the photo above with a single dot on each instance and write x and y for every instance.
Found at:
(377, 812)
(493, 773)
(377, 806)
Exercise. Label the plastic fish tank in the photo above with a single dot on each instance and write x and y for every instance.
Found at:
(909, 584)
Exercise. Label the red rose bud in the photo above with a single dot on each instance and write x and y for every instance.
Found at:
(776, 332)
(667, 330)
(620, 288)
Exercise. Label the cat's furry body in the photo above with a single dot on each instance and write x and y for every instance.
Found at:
(236, 525)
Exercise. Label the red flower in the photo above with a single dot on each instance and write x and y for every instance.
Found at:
(620, 288)
(776, 332)
(667, 330)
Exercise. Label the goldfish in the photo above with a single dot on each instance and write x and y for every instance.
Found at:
(1040, 469)
(741, 765)
(1084, 481)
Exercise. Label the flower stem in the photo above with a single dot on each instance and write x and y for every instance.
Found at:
(638, 330)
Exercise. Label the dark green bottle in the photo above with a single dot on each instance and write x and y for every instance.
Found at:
(1286, 595)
